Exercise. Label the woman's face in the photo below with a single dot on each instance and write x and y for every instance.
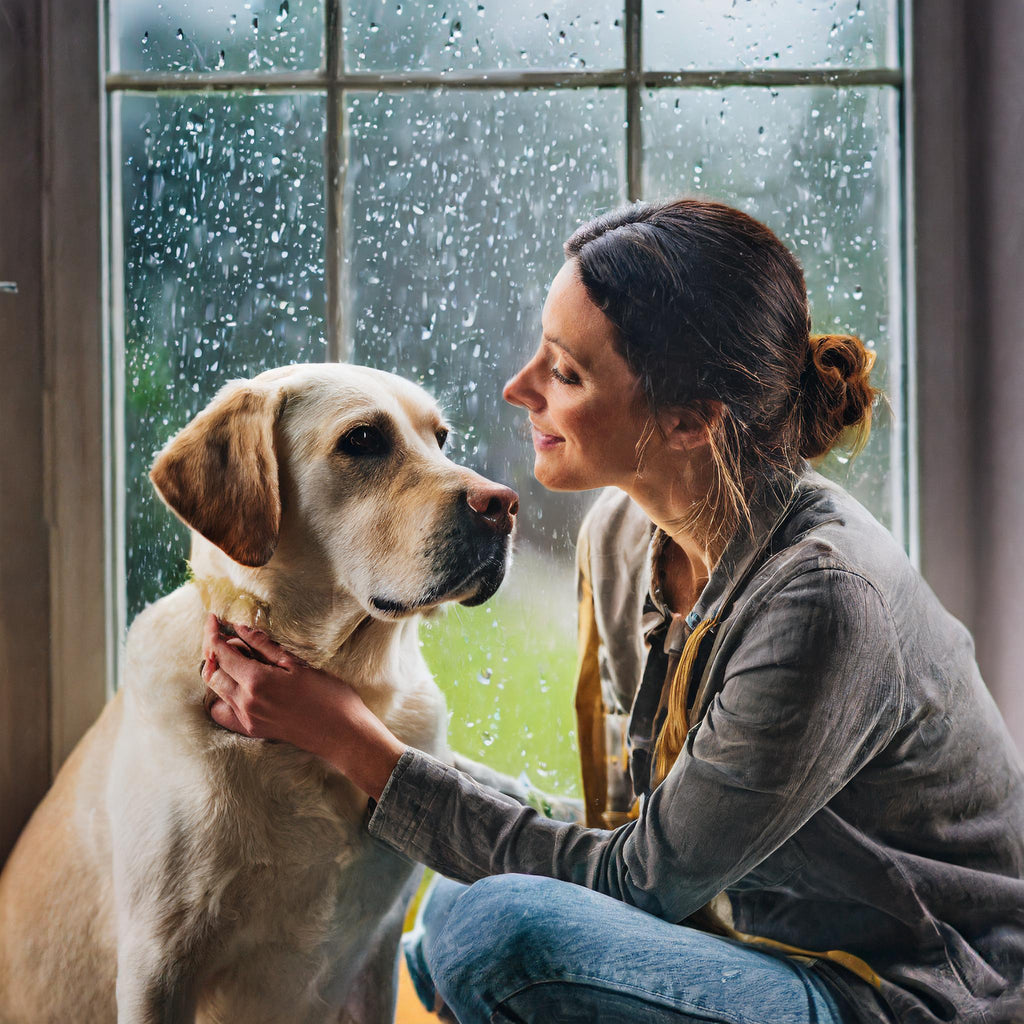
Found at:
(586, 407)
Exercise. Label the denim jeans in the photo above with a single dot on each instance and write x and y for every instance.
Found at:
(522, 948)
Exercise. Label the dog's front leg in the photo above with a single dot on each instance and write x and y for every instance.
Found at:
(154, 986)
(370, 993)
(373, 992)
(162, 922)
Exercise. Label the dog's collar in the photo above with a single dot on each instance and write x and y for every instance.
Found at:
(231, 604)
(235, 606)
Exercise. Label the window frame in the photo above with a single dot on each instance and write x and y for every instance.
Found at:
(87, 615)
(76, 430)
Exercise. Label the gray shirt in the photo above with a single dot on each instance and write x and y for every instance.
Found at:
(850, 784)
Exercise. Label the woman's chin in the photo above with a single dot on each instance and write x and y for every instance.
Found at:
(555, 477)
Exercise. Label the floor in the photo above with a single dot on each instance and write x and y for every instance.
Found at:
(410, 1010)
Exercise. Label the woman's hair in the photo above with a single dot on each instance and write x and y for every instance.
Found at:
(709, 306)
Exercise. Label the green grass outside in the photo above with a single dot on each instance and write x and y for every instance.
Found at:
(507, 670)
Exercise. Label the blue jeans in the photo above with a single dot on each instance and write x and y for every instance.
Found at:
(520, 948)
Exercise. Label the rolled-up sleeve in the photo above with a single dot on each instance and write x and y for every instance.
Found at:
(811, 691)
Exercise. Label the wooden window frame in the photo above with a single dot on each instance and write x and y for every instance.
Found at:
(54, 583)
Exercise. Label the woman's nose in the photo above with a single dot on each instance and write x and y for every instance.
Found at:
(519, 391)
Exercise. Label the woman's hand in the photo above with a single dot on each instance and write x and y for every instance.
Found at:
(267, 693)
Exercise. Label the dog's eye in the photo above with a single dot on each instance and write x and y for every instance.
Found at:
(362, 440)
(442, 435)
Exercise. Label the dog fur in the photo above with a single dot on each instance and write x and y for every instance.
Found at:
(179, 872)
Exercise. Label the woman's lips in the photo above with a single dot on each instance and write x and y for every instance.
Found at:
(543, 442)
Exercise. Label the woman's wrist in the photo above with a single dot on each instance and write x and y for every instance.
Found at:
(366, 754)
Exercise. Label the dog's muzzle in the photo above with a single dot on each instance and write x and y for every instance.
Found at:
(468, 560)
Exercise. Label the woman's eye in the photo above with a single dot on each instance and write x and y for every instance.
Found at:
(362, 440)
(562, 378)
(442, 436)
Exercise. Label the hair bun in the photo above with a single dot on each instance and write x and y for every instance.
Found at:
(836, 395)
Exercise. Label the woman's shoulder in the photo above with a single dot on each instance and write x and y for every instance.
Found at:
(612, 514)
(833, 548)
(830, 528)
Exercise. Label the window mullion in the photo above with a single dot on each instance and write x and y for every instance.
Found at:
(634, 81)
(496, 81)
(334, 264)
(114, 471)
(906, 288)
(334, 186)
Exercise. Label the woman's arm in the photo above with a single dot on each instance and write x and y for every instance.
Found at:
(264, 692)
(812, 691)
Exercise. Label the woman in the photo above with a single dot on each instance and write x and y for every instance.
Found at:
(808, 734)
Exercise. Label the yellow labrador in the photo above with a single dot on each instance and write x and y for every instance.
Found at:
(179, 872)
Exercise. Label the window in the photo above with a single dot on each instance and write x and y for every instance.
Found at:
(391, 182)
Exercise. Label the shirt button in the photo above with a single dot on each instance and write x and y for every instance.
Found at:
(693, 620)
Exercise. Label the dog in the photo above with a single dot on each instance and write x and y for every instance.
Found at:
(177, 871)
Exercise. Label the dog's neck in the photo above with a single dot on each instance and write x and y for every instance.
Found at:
(325, 631)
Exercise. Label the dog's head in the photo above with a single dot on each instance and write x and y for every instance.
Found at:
(336, 473)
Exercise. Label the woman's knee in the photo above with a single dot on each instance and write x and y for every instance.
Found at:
(496, 927)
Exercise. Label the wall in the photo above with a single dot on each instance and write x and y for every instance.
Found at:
(24, 565)
(53, 646)
(968, 127)
(995, 181)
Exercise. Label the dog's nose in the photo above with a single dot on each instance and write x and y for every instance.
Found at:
(494, 504)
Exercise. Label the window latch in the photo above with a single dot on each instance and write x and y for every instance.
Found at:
(11, 287)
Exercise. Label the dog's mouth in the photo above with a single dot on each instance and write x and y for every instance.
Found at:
(473, 588)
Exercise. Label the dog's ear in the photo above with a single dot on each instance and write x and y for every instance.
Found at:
(219, 474)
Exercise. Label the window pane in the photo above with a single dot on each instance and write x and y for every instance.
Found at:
(701, 34)
(462, 35)
(458, 205)
(820, 166)
(223, 277)
(218, 35)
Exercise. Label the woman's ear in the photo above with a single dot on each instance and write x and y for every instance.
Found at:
(219, 474)
(688, 427)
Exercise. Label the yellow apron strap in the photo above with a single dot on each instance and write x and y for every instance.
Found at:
(590, 728)
(852, 963)
(675, 700)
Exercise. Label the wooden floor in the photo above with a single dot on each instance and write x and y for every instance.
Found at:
(410, 1009)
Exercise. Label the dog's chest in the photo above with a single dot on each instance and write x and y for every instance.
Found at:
(281, 806)
(300, 862)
